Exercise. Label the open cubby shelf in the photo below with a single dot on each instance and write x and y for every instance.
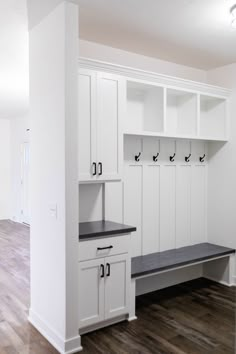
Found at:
(171, 112)
(145, 107)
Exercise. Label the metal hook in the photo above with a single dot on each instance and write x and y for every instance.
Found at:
(201, 158)
(187, 158)
(155, 158)
(137, 157)
(172, 158)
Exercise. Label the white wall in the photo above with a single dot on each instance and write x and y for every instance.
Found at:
(54, 177)
(19, 135)
(222, 171)
(5, 169)
(108, 54)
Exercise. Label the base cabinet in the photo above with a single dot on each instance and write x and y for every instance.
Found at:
(104, 289)
(91, 292)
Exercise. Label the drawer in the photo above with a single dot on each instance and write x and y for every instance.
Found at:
(92, 249)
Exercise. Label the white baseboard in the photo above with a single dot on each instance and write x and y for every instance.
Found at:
(69, 346)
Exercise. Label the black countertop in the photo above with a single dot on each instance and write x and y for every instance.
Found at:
(167, 260)
(103, 228)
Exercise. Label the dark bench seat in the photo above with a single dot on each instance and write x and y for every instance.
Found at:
(163, 261)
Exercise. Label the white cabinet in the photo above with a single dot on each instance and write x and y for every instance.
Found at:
(91, 294)
(104, 285)
(101, 109)
(117, 286)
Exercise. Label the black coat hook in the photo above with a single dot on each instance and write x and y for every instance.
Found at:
(187, 158)
(172, 158)
(137, 157)
(201, 158)
(155, 158)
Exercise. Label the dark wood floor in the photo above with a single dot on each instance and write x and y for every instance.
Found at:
(196, 317)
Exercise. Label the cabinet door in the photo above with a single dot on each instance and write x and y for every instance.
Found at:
(117, 284)
(91, 292)
(110, 111)
(87, 125)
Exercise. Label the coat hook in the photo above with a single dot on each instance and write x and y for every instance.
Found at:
(201, 158)
(187, 158)
(137, 157)
(172, 158)
(155, 158)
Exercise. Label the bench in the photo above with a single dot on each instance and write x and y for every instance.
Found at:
(160, 262)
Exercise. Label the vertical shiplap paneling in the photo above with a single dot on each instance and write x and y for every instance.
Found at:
(151, 209)
(198, 204)
(167, 207)
(133, 185)
(183, 206)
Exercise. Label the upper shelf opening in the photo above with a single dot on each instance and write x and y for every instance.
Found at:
(145, 107)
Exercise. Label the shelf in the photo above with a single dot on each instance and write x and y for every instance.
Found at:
(145, 107)
(173, 136)
(213, 117)
(181, 112)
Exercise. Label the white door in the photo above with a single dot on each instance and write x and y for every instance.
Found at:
(25, 165)
(110, 111)
(87, 125)
(91, 292)
(117, 283)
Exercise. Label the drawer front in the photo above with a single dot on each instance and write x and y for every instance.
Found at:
(103, 247)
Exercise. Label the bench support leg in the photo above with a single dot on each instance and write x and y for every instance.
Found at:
(221, 270)
(232, 270)
(132, 315)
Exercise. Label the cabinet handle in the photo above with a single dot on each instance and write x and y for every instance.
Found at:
(100, 168)
(108, 269)
(94, 168)
(104, 248)
(103, 271)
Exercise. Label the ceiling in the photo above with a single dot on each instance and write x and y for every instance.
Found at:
(14, 91)
(196, 33)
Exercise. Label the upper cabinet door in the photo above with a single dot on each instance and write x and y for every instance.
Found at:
(110, 111)
(87, 125)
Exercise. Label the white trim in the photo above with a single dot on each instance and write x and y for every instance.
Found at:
(69, 346)
(161, 79)
(103, 324)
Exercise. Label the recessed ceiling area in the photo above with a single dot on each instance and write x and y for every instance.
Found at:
(196, 33)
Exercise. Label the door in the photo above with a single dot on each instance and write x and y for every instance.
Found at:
(91, 292)
(117, 282)
(87, 125)
(110, 111)
(25, 165)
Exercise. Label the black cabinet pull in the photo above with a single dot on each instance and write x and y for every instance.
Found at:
(94, 168)
(100, 168)
(104, 248)
(108, 269)
(103, 271)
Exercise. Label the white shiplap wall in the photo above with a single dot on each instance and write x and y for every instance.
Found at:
(165, 200)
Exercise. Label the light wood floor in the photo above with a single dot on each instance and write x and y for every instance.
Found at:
(197, 317)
